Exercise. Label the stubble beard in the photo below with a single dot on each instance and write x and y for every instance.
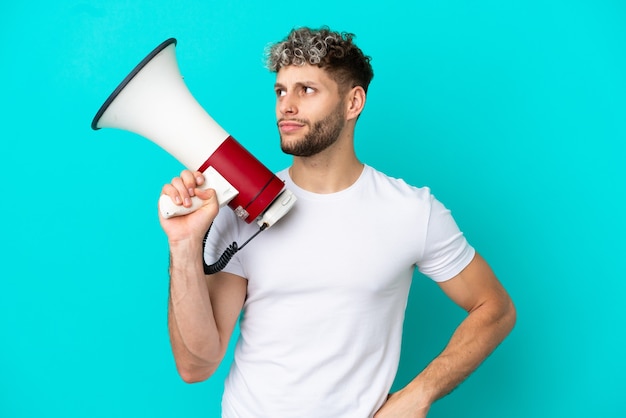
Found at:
(322, 135)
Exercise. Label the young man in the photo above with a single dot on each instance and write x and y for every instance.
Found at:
(323, 292)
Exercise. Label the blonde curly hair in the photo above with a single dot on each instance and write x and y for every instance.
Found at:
(333, 51)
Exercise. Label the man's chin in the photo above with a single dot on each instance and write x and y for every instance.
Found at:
(289, 145)
(289, 151)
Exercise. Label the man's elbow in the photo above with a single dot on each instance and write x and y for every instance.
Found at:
(509, 315)
(195, 374)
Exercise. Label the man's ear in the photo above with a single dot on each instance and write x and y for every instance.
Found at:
(355, 102)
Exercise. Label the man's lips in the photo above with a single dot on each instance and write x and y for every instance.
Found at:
(287, 126)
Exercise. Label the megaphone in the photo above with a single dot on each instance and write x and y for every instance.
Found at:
(154, 102)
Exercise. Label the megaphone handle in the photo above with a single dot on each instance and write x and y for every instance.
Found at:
(169, 209)
(224, 190)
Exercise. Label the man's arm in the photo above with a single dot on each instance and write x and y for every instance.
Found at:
(202, 314)
(202, 310)
(491, 316)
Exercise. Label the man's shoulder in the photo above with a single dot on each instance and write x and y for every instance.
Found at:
(382, 182)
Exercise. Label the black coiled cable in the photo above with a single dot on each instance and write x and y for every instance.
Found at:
(227, 255)
(222, 261)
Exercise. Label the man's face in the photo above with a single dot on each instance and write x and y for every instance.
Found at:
(309, 110)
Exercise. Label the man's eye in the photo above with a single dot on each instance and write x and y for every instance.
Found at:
(280, 92)
(308, 90)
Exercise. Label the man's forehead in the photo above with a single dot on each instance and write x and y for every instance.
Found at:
(297, 74)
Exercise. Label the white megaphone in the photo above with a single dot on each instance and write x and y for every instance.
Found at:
(154, 102)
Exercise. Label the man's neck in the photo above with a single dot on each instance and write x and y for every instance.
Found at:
(326, 173)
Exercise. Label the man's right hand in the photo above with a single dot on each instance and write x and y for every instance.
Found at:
(192, 226)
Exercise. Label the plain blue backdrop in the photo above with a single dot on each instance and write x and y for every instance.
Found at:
(513, 112)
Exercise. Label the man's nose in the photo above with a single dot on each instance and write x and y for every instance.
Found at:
(288, 105)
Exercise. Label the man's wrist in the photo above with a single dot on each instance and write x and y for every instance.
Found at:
(185, 245)
(419, 393)
(185, 253)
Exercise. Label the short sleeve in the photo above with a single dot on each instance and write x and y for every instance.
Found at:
(446, 250)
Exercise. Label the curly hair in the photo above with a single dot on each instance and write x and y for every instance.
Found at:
(333, 51)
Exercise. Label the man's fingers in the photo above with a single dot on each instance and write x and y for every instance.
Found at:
(199, 178)
(206, 194)
(189, 182)
(181, 189)
(173, 194)
(182, 192)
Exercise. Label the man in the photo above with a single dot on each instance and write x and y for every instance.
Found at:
(322, 293)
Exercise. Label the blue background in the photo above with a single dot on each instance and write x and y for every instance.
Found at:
(512, 112)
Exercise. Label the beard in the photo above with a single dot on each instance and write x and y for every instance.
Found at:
(322, 135)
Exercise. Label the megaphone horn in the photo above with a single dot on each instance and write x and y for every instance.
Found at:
(154, 102)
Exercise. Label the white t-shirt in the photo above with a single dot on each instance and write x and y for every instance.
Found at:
(321, 328)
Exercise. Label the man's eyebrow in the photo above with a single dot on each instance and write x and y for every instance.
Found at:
(298, 84)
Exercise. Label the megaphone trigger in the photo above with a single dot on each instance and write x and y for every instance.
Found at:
(224, 191)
